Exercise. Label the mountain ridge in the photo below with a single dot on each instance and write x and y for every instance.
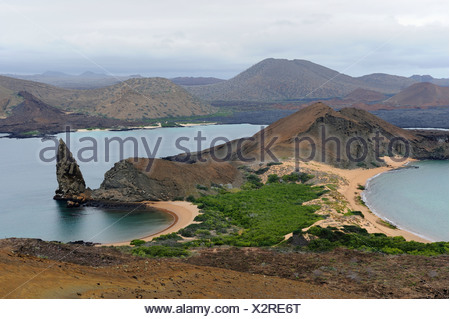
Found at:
(281, 79)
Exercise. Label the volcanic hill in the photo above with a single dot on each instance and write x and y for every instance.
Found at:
(421, 95)
(134, 99)
(285, 80)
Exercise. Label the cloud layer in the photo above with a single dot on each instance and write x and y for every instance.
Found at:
(220, 38)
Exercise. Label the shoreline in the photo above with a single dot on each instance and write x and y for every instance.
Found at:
(350, 191)
(131, 128)
(182, 212)
(374, 212)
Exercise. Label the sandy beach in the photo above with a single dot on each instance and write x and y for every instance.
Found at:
(350, 191)
(183, 215)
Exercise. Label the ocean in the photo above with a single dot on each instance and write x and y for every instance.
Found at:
(28, 182)
(414, 198)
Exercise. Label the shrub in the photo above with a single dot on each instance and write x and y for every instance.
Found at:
(201, 187)
(190, 198)
(168, 236)
(361, 187)
(355, 237)
(304, 177)
(137, 242)
(262, 170)
(273, 178)
(274, 163)
(254, 180)
(255, 217)
(354, 212)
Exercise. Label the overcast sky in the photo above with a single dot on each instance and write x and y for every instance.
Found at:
(223, 37)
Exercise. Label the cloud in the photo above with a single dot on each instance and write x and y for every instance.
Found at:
(208, 37)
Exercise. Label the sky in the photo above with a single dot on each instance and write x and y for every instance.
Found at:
(220, 38)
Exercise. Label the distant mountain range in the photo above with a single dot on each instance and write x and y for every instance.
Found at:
(86, 80)
(418, 95)
(272, 83)
(283, 80)
(133, 99)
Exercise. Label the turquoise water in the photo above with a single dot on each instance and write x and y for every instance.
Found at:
(27, 185)
(414, 199)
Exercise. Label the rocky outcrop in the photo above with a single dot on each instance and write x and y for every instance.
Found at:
(72, 186)
(130, 181)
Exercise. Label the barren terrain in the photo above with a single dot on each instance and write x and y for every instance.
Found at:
(35, 269)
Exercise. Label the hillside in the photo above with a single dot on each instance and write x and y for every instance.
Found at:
(33, 117)
(421, 95)
(281, 80)
(345, 125)
(134, 99)
(8, 99)
(365, 96)
(78, 271)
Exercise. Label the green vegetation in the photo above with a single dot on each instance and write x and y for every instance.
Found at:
(273, 178)
(297, 177)
(386, 223)
(95, 128)
(375, 164)
(274, 163)
(168, 236)
(30, 133)
(361, 187)
(262, 170)
(137, 242)
(253, 182)
(201, 187)
(291, 178)
(355, 237)
(160, 251)
(255, 217)
(354, 212)
(360, 201)
(190, 198)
